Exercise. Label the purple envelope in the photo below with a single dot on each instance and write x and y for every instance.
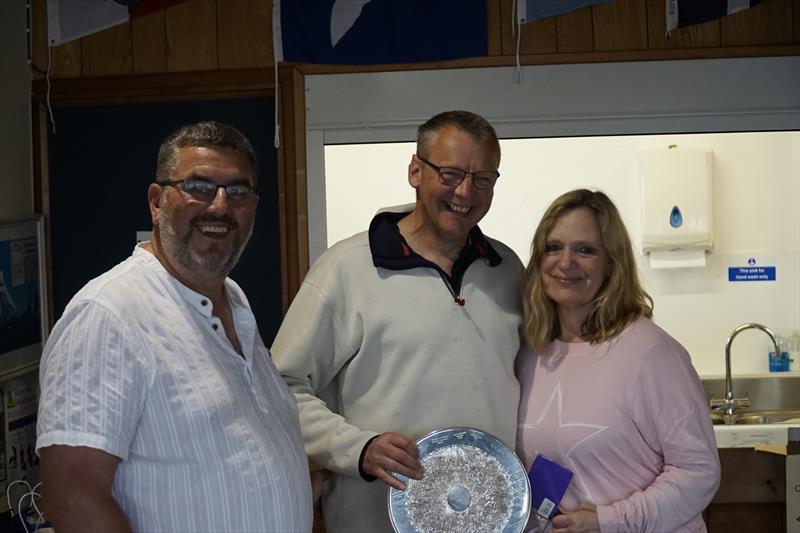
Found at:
(549, 482)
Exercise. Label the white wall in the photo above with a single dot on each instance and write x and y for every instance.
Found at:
(756, 214)
(631, 98)
(16, 185)
(756, 195)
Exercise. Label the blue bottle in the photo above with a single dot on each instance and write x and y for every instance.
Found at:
(780, 362)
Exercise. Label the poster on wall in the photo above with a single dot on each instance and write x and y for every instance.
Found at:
(18, 459)
(23, 313)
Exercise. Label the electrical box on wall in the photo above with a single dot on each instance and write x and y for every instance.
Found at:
(677, 205)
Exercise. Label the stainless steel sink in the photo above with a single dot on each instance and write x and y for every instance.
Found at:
(773, 400)
(780, 391)
(770, 416)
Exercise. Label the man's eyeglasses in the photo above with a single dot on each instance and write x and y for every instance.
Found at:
(452, 177)
(205, 191)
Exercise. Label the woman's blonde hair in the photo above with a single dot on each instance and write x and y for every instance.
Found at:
(620, 300)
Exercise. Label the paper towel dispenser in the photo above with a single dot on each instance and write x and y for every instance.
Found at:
(677, 207)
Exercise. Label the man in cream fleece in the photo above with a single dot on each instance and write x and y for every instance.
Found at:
(409, 327)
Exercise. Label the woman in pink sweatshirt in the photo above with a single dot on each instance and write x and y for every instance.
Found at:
(606, 392)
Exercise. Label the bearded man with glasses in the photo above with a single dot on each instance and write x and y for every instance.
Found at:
(409, 327)
(160, 408)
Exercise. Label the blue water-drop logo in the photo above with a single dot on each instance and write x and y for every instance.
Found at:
(675, 217)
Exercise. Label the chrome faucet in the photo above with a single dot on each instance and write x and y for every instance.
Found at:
(729, 403)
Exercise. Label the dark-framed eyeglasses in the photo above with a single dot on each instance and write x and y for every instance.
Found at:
(452, 176)
(204, 190)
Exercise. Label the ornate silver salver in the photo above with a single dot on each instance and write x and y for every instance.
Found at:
(472, 483)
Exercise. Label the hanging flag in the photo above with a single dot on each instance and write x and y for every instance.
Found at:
(530, 10)
(68, 20)
(682, 13)
(72, 19)
(362, 32)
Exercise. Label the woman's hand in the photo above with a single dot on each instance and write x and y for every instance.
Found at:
(583, 519)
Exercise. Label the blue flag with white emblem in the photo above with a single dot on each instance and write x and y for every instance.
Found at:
(362, 32)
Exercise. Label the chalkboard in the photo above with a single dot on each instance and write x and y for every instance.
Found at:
(101, 161)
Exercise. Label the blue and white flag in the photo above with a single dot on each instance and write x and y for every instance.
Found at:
(362, 32)
(530, 10)
(682, 13)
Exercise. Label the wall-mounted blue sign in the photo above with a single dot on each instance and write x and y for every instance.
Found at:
(751, 273)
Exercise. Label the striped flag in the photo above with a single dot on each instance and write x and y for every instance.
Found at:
(682, 13)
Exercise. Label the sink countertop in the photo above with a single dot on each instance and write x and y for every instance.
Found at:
(758, 375)
(748, 435)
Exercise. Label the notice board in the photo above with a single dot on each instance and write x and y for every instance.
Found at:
(102, 160)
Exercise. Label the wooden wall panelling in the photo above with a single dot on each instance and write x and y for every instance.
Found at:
(39, 36)
(537, 37)
(697, 36)
(108, 52)
(203, 35)
(796, 18)
(40, 167)
(495, 27)
(292, 187)
(149, 43)
(574, 31)
(508, 37)
(160, 87)
(244, 28)
(65, 60)
(40, 124)
(192, 35)
(769, 22)
(620, 25)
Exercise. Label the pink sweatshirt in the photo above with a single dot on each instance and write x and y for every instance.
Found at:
(629, 418)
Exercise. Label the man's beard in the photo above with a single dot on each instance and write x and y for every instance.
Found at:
(179, 247)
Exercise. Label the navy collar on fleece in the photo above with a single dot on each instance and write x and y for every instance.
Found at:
(390, 250)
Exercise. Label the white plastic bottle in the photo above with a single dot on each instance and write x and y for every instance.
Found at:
(793, 347)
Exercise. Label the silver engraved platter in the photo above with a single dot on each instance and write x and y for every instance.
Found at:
(472, 483)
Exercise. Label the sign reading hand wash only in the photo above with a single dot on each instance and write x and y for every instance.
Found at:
(751, 272)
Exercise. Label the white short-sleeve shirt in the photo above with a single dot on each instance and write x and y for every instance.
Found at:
(138, 366)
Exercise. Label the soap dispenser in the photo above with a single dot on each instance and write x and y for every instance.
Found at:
(677, 202)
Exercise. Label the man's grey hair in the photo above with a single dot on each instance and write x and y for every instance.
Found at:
(470, 123)
(209, 134)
